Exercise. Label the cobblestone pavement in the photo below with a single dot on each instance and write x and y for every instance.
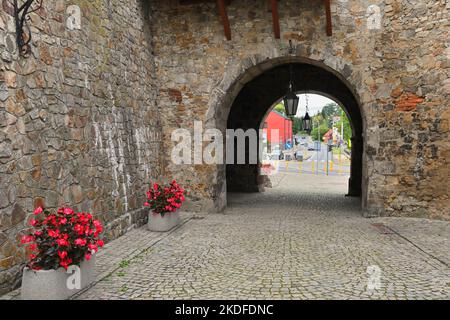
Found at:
(292, 242)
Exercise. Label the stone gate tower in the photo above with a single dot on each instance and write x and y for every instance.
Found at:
(86, 117)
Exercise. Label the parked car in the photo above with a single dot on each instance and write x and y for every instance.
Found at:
(298, 156)
(316, 146)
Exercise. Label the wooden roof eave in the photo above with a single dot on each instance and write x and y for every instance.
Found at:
(273, 5)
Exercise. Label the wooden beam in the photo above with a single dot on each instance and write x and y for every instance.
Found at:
(328, 14)
(275, 18)
(224, 17)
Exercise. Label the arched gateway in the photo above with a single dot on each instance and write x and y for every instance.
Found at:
(248, 99)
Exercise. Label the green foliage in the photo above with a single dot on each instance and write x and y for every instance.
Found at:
(330, 110)
(319, 119)
(280, 108)
(323, 121)
(318, 132)
(297, 125)
(124, 263)
(347, 127)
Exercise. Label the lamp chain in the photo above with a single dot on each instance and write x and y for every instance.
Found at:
(307, 103)
(291, 86)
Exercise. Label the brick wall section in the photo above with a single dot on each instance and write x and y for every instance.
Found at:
(78, 120)
(408, 102)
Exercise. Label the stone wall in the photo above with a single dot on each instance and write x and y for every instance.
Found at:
(393, 53)
(78, 121)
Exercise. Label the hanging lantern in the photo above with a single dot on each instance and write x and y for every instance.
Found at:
(306, 121)
(291, 100)
(291, 104)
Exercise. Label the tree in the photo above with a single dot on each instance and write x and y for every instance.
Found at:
(280, 108)
(330, 110)
(297, 125)
(347, 127)
(319, 118)
(315, 134)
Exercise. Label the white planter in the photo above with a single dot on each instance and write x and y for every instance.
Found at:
(161, 224)
(53, 284)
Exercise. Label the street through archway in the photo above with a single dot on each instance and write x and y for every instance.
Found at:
(257, 97)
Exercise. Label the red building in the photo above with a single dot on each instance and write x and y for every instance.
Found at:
(328, 136)
(277, 121)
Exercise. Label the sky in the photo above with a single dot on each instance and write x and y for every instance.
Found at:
(315, 104)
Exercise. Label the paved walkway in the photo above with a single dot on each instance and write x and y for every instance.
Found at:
(291, 242)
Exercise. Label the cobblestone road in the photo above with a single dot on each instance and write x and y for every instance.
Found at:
(291, 242)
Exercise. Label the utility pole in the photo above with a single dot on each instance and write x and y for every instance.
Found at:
(318, 146)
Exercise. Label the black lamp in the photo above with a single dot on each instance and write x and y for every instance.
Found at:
(306, 122)
(291, 99)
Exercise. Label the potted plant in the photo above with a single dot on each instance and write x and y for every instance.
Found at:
(62, 249)
(164, 201)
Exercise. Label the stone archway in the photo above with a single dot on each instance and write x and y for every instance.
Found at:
(247, 100)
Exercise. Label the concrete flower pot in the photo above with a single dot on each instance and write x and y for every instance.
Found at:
(158, 223)
(53, 284)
